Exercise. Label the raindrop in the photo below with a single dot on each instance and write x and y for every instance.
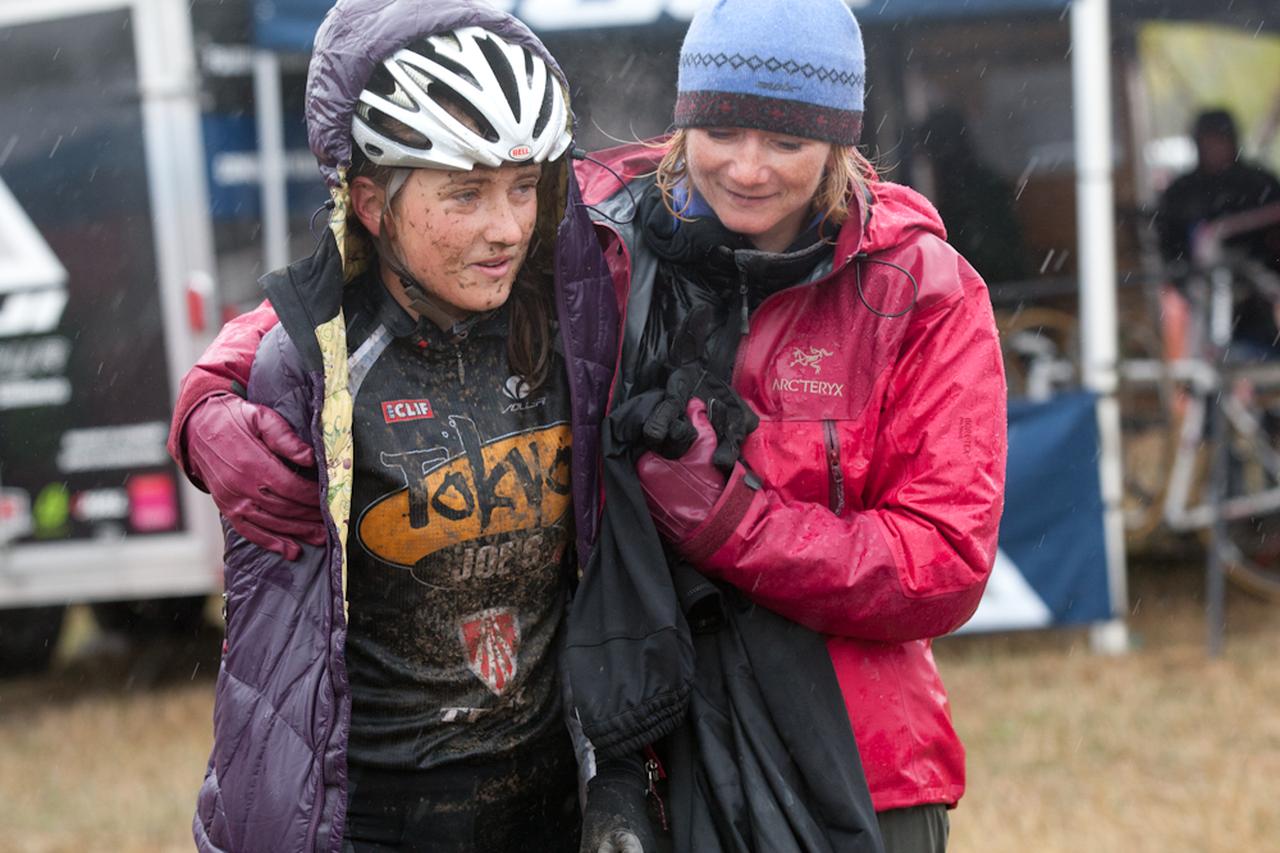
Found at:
(54, 150)
(8, 149)
(1048, 259)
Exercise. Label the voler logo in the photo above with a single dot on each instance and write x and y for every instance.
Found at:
(491, 639)
(517, 391)
(811, 359)
(515, 388)
(518, 482)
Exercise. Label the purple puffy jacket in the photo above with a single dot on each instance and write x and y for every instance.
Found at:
(277, 774)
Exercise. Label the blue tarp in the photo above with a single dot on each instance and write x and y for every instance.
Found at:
(1052, 567)
(291, 24)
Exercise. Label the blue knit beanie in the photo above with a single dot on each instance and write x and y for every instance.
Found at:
(789, 66)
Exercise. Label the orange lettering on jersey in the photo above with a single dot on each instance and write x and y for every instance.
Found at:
(516, 483)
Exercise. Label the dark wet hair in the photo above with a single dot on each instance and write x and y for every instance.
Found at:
(1217, 122)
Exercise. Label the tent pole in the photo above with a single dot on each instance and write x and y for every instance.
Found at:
(1095, 221)
(272, 179)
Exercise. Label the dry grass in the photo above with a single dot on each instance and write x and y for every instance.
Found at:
(1161, 750)
(106, 754)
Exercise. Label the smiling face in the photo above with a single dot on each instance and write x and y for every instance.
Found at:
(462, 235)
(759, 184)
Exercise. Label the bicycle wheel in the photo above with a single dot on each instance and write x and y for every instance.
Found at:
(1251, 552)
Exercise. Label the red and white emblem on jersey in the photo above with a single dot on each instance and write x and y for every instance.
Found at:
(394, 411)
(492, 640)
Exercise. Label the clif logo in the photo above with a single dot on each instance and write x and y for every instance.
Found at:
(395, 411)
(520, 152)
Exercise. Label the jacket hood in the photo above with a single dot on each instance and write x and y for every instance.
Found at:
(895, 211)
(358, 34)
(353, 38)
(888, 215)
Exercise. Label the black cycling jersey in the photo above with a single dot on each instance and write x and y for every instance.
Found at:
(460, 517)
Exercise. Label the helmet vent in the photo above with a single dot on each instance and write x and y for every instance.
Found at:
(381, 82)
(503, 72)
(428, 50)
(544, 111)
(462, 109)
(393, 128)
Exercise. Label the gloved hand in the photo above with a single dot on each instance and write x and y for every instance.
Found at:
(616, 819)
(237, 449)
(670, 431)
(694, 504)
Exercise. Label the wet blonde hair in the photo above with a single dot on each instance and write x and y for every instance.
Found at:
(847, 172)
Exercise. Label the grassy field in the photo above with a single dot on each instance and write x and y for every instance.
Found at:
(1158, 750)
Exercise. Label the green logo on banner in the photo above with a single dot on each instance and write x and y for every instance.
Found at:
(52, 507)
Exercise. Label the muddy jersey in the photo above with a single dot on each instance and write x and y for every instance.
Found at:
(460, 516)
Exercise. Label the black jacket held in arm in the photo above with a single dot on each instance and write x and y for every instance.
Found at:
(743, 706)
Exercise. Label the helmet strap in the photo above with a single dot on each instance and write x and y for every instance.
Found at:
(446, 317)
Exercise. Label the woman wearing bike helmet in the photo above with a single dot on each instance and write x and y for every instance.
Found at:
(391, 685)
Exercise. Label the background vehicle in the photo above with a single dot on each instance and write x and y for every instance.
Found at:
(105, 260)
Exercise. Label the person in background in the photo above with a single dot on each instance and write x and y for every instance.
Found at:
(975, 202)
(1223, 183)
(388, 681)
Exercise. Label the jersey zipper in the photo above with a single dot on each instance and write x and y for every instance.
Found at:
(835, 474)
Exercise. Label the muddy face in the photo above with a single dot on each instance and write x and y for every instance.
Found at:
(464, 235)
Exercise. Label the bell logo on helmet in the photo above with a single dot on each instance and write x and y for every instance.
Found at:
(520, 152)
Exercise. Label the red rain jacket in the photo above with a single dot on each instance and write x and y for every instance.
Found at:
(881, 447)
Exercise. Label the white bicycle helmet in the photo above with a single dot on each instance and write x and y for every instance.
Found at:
(405, 116)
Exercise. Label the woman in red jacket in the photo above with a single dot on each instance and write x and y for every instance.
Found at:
(866, 504)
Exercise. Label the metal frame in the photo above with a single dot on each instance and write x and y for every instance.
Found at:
(148, 566)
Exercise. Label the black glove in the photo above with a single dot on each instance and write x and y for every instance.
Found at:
(668, 430)
(616, 818)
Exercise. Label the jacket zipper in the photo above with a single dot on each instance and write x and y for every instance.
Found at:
(836, 475)
(741, 355)
(655, 773)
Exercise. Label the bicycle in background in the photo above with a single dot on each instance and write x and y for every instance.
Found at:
(1201, 417)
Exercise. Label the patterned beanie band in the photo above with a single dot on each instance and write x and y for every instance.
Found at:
(788, 66)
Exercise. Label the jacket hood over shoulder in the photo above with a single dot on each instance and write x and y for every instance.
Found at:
(358, 34)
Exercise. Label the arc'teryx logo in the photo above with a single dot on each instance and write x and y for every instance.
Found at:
(812, 359)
